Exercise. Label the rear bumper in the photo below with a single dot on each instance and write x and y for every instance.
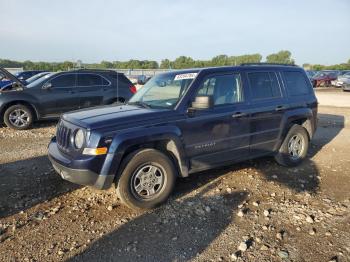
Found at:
(79, 176)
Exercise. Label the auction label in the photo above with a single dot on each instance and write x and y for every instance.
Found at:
(185, 76)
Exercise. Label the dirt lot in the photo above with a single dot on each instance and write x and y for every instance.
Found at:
(333, 97)
(253, 211)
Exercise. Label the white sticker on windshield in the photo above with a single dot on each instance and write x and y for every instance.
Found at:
(185, 76)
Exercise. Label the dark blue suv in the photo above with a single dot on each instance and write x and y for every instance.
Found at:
(186, 121)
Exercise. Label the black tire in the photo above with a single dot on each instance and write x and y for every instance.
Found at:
(284, 156)
(25, 117)
(137, 162)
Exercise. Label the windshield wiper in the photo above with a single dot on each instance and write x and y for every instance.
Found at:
(140, 103)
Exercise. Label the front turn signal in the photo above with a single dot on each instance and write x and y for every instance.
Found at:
(95, 151)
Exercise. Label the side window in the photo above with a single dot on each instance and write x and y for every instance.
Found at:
(296, 83)
(89, 80)
(64, 81)
(225, 89)
(264, 85)
(208, 87)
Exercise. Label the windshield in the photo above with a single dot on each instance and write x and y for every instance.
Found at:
(35, 77)
(39, 80)
(164, 90)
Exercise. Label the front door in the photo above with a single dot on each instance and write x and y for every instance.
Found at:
(219, 134)
(60, 97)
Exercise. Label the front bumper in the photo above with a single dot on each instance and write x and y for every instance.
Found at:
(76, 175)
(346, 87)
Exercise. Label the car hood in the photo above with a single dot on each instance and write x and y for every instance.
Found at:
(118, 117)
(10, 76)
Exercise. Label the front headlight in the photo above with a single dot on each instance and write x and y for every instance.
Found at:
(79, 139)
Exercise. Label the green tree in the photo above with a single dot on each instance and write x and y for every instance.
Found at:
(237, 60)
(106, 64)
(183, 62)
(283, 57)
(220, 60)
(165, 64)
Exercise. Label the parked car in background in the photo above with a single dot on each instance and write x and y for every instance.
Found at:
(24, 75)
(342, 80)
(21, 76)
(139, 79)
(4, 81)
(35, 77)
(310, 73)
(323, 78)
(343, 72)
(25, 82)
(55, 93)
(183, 122)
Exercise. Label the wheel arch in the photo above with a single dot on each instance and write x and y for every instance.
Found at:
(165, 139)
(305, 123)
(20, 102)
(303, 117)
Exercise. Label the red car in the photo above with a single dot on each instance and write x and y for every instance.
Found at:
(323, 78)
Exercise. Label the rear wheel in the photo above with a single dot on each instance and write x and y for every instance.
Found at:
(147, 179)
(18, 117)
(294, 147)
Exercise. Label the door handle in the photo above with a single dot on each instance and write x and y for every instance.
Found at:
(238, 115)
(280, 108)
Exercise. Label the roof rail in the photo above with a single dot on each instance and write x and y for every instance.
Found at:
(95, 69)
(267, 64)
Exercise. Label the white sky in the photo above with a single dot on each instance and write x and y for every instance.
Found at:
(315, 31)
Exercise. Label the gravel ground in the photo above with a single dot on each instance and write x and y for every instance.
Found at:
(252, 211)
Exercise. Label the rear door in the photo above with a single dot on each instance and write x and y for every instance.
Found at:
(267, 107)
(91, 88)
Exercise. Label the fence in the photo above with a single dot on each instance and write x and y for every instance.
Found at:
(14, 70)
(146, 72)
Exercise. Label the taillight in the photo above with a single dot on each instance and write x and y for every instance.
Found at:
(133, 89)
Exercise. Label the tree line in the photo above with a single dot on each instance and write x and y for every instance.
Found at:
(181, 62)
(341, 66)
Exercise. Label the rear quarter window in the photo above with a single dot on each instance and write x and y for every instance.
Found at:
(296, 83)
(122, 79)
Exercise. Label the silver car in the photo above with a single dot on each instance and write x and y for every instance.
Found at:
(343, 80)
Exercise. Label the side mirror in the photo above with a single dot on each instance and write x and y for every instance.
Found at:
(47, 86)
(203, 102)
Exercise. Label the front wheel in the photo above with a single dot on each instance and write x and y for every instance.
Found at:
(18, 117)
(147, 179)
(294, 147)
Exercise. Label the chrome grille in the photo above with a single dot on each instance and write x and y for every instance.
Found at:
(63, 136)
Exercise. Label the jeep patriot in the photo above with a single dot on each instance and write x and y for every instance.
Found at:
(183, 122)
